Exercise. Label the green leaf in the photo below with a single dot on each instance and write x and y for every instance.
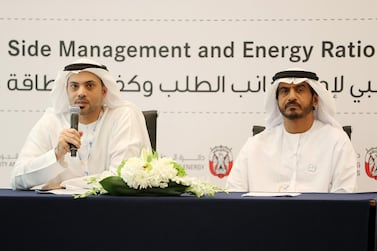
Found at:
(155, 155)
(181, 170)
(115, 185)
(173, 189)
(121, 166)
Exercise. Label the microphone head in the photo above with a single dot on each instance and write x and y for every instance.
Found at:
(74, 109)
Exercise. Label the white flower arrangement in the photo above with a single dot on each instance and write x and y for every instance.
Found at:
(149, 175)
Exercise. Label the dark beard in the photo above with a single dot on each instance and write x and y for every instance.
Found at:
(296, 115)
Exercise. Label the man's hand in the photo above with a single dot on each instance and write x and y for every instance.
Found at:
(66, 137)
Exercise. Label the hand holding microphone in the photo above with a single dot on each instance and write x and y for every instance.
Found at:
(69, 138)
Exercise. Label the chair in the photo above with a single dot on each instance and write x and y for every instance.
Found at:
(348, 130)
(258, 129)
(151, 122)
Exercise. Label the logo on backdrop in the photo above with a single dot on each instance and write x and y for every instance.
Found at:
(220, 161)
(371, 163)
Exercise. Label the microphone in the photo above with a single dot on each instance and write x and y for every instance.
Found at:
(75, 112)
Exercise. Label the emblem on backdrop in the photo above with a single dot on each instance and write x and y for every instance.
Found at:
(371, 163)
(220, 161)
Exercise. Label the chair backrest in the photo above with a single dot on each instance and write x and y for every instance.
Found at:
(348, 130)
(151, 122)
(258, 129)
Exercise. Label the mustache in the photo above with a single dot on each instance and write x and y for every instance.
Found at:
(81, 99)
(292, 103)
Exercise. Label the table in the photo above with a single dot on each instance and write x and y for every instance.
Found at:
(319, 222)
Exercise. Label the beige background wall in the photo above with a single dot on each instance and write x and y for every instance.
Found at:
(208, 80)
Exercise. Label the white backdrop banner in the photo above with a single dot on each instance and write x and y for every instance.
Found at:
(204, 65)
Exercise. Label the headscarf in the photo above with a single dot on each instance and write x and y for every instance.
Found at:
(59, 96)
(325, 110)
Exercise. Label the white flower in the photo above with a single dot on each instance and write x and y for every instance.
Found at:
(150, 171)
(95, 186)
(197, 186)
(142, 173)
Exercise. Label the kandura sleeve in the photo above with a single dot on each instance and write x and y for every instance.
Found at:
(36, 163)
(237, 180)
(345, 173)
